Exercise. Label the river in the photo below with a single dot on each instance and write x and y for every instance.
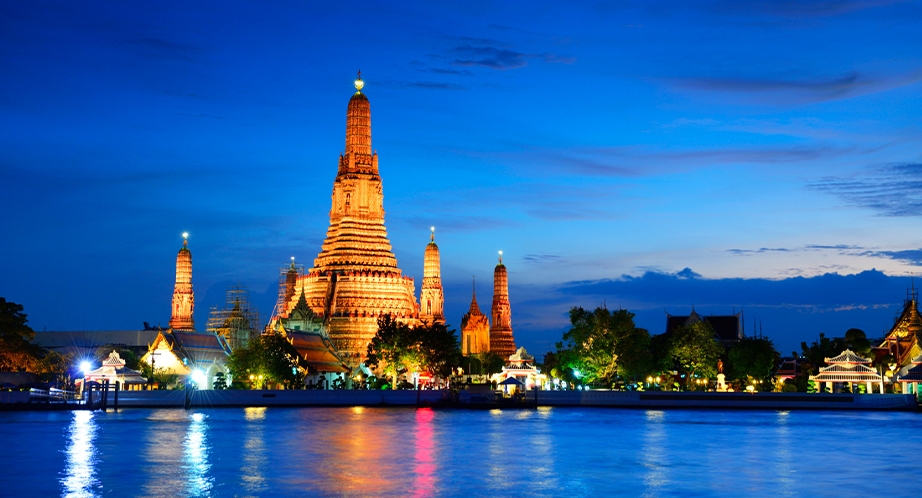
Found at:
(422, 452)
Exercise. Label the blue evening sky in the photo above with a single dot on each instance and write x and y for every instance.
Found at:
(762, 155)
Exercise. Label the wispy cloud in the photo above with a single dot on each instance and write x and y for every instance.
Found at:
(744, 252)
(433, 85)
(542, 259)
(911, 256)
(892, 190)
(804, 89)
(500, 58)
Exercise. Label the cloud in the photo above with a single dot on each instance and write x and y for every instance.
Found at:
(891, 190)
(911, 256)
(542, 259)
(432, 85)
(799, 90)
(744, 252)
(493, 57)
(159, 48)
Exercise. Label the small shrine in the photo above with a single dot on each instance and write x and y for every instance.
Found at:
(114, 370)
(848, 368)
(520, 368)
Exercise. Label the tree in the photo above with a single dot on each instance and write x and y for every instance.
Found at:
(220, 382)
(753, 357)
(269, 358)
(857, 341)
(592, 342)
(696, 351)
(634, 357)
(392, 347)
(815, 355)
(17, 353)
(439, 351)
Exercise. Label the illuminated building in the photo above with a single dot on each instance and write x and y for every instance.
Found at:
(475, 329)
(848, 368)
(903, 339)
(183, 298)
(431, 301)
(501, 340)
(355, 278)
(114, 370)
(911, 376)
(519, 366)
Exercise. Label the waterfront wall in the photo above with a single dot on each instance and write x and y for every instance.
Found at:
(770, 401)
(211, 398)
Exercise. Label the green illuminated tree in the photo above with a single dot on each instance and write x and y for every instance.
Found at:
(695, 350)
(591, 345)
(392, 348)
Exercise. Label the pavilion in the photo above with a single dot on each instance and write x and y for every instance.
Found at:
(521, 367)
(849, 368)
(114, 370)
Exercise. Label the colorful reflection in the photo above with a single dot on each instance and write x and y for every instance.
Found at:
(195, 457)
(425, 467)
(80, 473)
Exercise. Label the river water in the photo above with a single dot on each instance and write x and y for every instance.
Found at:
(409, 452)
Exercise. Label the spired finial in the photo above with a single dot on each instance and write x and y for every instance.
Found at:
(501, 257)
(432, 237)
(185, 239)
(359, 84)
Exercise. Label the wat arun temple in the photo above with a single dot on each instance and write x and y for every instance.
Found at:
(355, 278)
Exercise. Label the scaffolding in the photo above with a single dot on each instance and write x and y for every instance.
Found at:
(238, 320)
(288, 280)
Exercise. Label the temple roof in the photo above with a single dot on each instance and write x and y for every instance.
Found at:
(194, 347)
(521, 355)
(847, 356)
(903, 339)
(316, 350)
(113, 368)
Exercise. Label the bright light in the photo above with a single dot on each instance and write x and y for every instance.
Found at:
(577, 374)
(199, 377)
(501, 253)
(185, 235)
(86, 367)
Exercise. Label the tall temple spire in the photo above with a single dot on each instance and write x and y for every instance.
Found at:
(501, 340)
(431, 298)
(355, 278)
(183, 298)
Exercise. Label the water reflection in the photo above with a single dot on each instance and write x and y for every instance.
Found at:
(80, 473)
(654, 452)
(195, 457)
(425, 459)
(783, 469)
(254, 452)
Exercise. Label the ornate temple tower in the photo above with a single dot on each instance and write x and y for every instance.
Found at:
(183, 298)
(475, 329)
(431, 300)
(501, 341)
(355, 278)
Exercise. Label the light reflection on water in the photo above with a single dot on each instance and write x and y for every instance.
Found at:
(195, 457)
(254, 452)
(400, 452)
(80, 474)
